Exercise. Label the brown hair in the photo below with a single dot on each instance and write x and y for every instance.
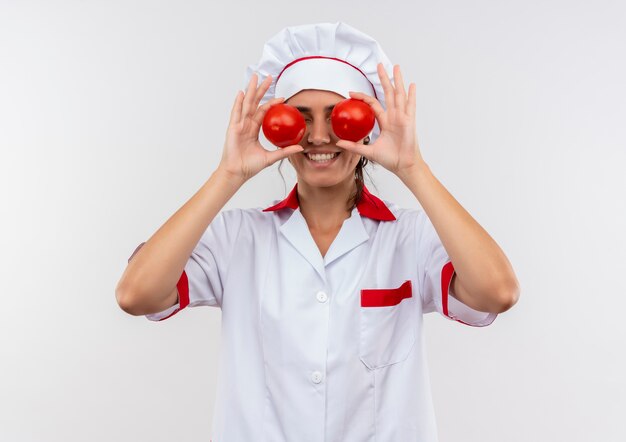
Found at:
(358, 176)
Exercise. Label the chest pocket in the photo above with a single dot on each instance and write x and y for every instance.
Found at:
(387, 331)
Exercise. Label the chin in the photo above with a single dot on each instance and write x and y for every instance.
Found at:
(319, 181)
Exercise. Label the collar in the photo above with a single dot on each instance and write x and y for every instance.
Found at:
(369, 205)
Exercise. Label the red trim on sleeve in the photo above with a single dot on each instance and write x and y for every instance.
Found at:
(183, 290)
(386, 297)
(446, 277)
(183, 295)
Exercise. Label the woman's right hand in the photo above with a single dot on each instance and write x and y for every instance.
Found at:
(243, 155)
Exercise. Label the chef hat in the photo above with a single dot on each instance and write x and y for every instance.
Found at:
(327, 56)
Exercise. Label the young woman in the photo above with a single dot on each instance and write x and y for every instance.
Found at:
(323, 293)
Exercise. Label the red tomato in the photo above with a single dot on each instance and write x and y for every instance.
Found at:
(352, 119)
(283, 125)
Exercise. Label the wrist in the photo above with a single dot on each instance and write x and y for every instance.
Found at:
(419, 168)
(228, 179)
(229, 176)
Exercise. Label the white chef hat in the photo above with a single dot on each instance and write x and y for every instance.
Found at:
(327, 56)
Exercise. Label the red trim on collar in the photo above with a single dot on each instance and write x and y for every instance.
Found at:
(369, 205)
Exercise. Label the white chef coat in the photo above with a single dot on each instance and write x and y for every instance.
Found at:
(322, 349)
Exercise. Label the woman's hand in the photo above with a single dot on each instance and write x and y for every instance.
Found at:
(243, 155)
(396, 148)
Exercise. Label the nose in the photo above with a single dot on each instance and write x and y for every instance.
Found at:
(319, 133)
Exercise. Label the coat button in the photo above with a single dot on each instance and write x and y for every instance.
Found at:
(316, 377)
(322, 297)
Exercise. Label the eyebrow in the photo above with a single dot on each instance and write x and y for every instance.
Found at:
(308, 109)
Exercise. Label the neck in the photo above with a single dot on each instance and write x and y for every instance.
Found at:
(325, 208)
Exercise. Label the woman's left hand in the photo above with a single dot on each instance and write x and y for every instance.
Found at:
(396, 148)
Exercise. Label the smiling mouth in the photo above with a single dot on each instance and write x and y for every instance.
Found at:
(322, 158)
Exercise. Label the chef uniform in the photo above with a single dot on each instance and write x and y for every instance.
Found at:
(322, 349)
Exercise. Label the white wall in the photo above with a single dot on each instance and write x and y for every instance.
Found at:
(113, 113)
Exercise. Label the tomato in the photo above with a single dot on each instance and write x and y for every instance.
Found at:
(283, 125)
(352, 119)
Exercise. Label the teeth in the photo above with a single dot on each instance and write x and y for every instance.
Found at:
(321, 156)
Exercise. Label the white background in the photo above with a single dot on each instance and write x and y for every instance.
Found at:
(113, 114)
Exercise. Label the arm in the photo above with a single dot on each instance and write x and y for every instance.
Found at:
(472, 251)
(474, 254)
(149, 282)
(148, 285)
